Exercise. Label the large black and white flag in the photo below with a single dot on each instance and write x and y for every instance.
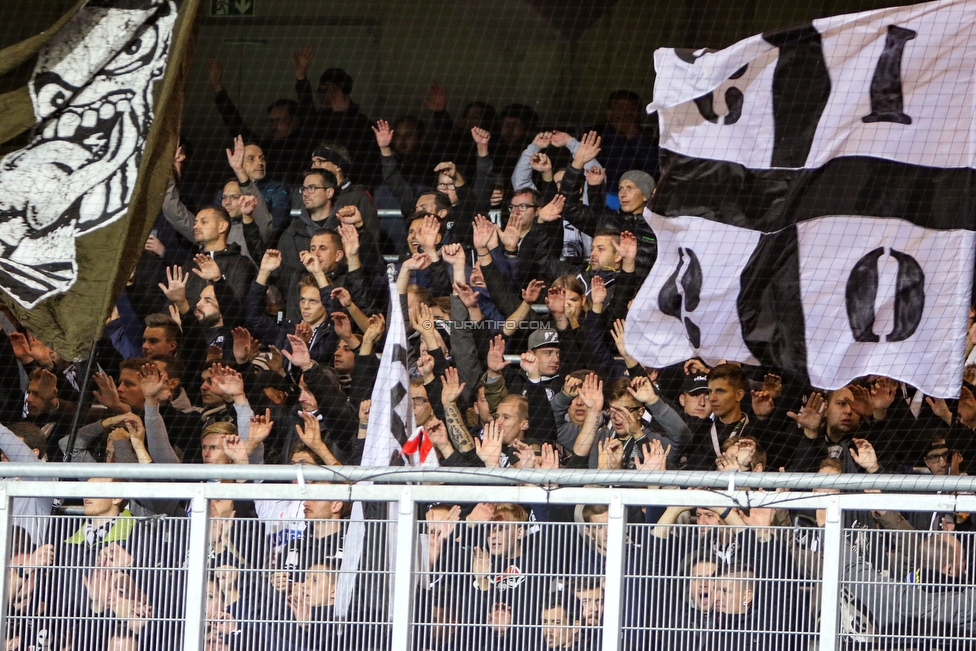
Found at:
(390, 435)
(816, 207)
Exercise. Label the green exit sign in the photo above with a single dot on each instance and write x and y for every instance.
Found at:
(232, 7)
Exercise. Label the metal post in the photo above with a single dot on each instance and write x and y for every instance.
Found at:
(196, 573)
(4, 558)
(833, 537)
(615, 566)
(403, 576)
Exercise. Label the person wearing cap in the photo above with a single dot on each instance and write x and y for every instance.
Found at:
(336, 159)
(696, 410)
(634, 190)
(537, 378)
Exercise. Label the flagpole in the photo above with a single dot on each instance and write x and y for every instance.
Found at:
(82, 390)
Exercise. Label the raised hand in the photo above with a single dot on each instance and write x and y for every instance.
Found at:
(552, 210)
(655, 457)
(940, 408)
(235, 158)
(525, 454)
(310, 262)
(549, 459)
(530, 293)
(377, 326)
(883, 392)
(588, 150)
(530, 364)
(248, 205)
(298, 355)
(107, 394)
(541, 163)
(260, 427)
(425, 366)
(864, 455)
(642, 389)
(384, 136)
(428, 235)
(447, 168)
(136, 431)
(364, 411)
(275, 361)
(484, 232)
(311, 433)
(598, 291)
(591, 392)
(610, 454)
(423, 321)
(154, 383)
(628, 250)
(350, 215)
(303, 331)
(350, 240)
(342, 325)
(861, 405)
(416, 262)
(22, 349)
(207, 267)
(153, 245)
(560, 138)
(226, 381)
(489, 448)
(496, 355)
(480, 136)
(695, 365)
(175, 288)
(571, 386)
(542, 140)
(967, 407)
(556, 301)
(467, 295)
(453, 254)
(451, 386)
(810, 415)
(762, 404)
(235, 448)
(301, 58)
(773, 385)
(512, 232)
(436, 99)
(271, 260)
(595, 175)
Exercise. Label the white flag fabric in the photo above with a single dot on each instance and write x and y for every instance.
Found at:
(390, 418)
(815, 208)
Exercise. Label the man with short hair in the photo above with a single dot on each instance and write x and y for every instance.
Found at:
(218, 260)
(161, 336)
(335, 158)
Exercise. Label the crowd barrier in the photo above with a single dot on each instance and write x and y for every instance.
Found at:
(429, 579)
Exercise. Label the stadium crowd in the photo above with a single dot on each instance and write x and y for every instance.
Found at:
(248, 334)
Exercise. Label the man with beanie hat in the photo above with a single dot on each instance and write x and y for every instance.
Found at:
(635, 190)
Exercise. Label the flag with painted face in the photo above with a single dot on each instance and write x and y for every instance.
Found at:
(815, 211)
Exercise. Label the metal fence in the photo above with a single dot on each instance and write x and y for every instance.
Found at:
(469, 566)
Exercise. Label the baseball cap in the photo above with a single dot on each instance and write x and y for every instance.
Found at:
(542, 338)
(697, 383)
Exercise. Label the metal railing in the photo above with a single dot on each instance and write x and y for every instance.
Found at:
(218, 579)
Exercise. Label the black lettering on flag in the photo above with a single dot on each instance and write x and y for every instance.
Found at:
(399, 354)
(887, 103)
(801, 87)
(397, 428)
(862, 292)
(734, 99)
(669, 299)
